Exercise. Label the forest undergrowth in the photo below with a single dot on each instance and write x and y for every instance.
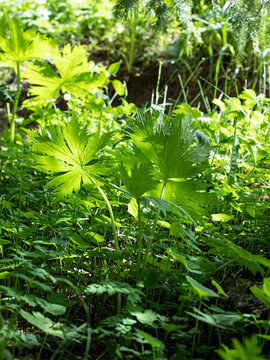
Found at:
(130, 232)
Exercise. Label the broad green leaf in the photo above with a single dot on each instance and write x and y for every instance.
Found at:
(97, 237)
(166, 206)
(266, 286)
(260, 294)
(80, 241)
(222, 217)
(186, 109)
(54, 309)
(150, 278)
(219, 103)
(43, 323)
(169, 144)
(249, 350)
(201, 289)
(17, 45)
(31, 300)
(60, 299)
(201, 138)
(189, 265)
(248, 94)
(133, 207)
(219, 288)
(251, 211)
(145, 317)
(4, 242)
(74, 77)
(113, 287)
(267, 337)
(4, 274)
(241, 256)
(32, 282)
(118, 87)
(139, 179)
(261, 260)
(222, 319)
(113, 68)
(177, 229)
(165, 265)
(68, 151)
(154, 342)
(263, 295)
(164, 224)
(6, 94)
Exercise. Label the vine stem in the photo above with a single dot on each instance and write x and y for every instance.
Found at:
(150, 241)
(15, 105)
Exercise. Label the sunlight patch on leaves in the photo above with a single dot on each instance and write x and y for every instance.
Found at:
(18, 45)
(68, 151)
(74, 77)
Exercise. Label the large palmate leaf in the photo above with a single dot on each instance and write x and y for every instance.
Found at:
(74, 76)
(169, 144)
(43, 323)
(71, 152)
(139, 180)
(18, 45)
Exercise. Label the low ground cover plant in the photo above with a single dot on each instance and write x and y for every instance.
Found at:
(125, 232)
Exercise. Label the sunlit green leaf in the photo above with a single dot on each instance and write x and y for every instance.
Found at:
(68, 151)
(74, 77)
(201, 289)
(118, 87)
(18, 45)
(222, 217)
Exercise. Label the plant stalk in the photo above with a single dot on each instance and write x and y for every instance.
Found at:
(42, 346)
(15, 105)
(139, 241)
(150, 241)
(115, 238)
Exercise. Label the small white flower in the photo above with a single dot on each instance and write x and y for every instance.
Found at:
(67, 97)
